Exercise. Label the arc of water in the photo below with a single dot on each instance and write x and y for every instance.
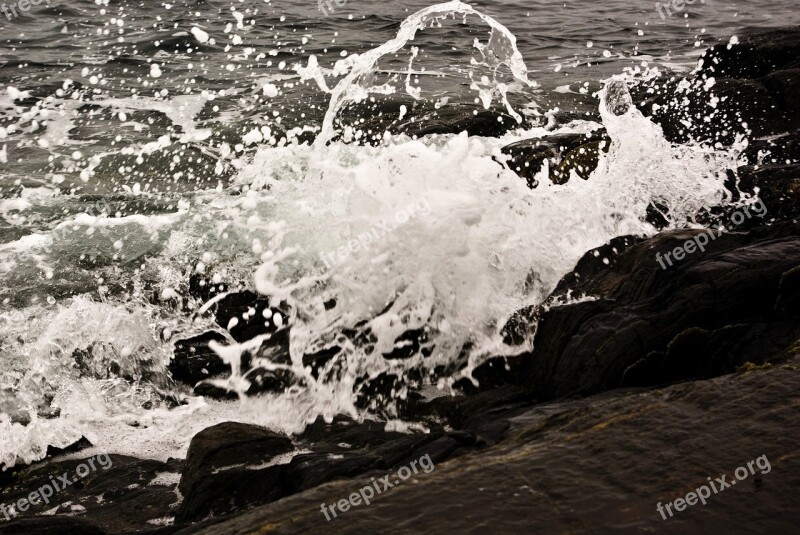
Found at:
(365, 63)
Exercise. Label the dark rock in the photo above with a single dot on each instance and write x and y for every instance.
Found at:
(47, 525)
(330, 436)
(527, 158)
(701, 317)
(682, 107)
(756, 55)
(318, 360)
(246, 308)
(231, 490)
(785, 88)
(229, 444)
(783, 150)
(570, 151)
(203, 289)
(194, 361)
(496, 371)
(755, 83)
(409, 344)
(210, 390)
(789, 289)
(778, 188)
(118, 494)
(242, 315)
(593, 265)
(341, 449)
(521, 326)
(387, 393)
(423, 118)
(484, 123)
(8, 475)
(264, 381)
(80, 444)
(222, 473)
(567, 466)
(583, 160)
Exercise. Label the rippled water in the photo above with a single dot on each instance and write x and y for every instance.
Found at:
(145, 145)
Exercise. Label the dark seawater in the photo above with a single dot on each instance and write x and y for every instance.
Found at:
(79, 40)
(146, 143)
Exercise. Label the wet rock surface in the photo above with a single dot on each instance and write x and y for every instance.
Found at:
(241, 316)
(755, 82)
(234, 466)
(567, 467)
(701, 316)
(576, 453)
(561, 153)
(194, 360)
(422, 118)
(121, 494)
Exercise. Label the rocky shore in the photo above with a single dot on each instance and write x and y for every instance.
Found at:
(653, 381)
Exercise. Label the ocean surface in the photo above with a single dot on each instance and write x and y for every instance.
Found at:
(244, 144)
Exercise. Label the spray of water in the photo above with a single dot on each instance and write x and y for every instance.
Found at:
(501, 49)
(401, 263)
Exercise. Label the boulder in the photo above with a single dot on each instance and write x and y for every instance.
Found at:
(750, 87)
(342, 449)
(754, 56)
(47, 525)
(701, 317)
(245, 315)
(424, 118)
(778, 187)
(242, 314)
(229, 444)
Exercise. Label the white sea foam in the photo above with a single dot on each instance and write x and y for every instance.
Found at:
(487, 247)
